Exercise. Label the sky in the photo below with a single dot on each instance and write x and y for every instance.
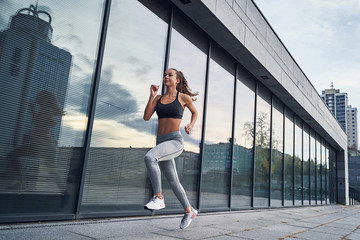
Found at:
(323, 36)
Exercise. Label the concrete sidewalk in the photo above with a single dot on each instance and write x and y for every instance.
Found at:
(319, 222)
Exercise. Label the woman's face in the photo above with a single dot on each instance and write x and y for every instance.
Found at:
(170, 78)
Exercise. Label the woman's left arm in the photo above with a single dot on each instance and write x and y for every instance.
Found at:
(189, 104)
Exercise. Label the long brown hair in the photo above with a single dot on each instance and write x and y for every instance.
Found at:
(183, 85)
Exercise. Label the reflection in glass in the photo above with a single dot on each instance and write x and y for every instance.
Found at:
(312, 168)
(262, 148)
(217, 146)
(288, 158)
(277, 153)
(323, 173)
(243, 141)
(306, 165)
(327, 173)
(298, 162)
(182, 49)
(332, 176)
(39, 171)
(318, 170)
(116, 178)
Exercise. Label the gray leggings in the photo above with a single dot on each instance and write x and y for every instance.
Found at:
(168, 147)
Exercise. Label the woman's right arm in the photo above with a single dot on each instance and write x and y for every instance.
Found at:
(150, 107)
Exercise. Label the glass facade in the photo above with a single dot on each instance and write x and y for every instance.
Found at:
(318, 171)
(73, 136)
(313, 192)
(120, 137)
(277, 147)
(47, 59)
(306, 165)
(298, 162)
(262, 147)
(243, 141)
(187, 42)
(217, 145)
(289, 158)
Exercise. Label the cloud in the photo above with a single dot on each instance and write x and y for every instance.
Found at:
(114, 100)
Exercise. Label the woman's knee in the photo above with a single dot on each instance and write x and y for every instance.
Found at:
(149, 159)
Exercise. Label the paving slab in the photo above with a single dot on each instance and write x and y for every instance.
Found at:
(332, 230)
(353, 236)
(318, 235)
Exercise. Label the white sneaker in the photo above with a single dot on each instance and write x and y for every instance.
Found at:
(155, 203)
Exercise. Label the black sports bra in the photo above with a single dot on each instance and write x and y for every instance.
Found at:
(171, 110)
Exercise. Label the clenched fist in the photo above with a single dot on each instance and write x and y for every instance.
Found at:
(154, 89)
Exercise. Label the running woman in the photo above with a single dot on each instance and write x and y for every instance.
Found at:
(169, 141)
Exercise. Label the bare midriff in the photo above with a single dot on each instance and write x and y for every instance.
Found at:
(167, 125)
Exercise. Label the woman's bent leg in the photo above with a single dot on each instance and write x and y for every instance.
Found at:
(169, 170)
(161, 152)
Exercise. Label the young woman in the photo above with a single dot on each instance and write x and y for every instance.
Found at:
(169, 141)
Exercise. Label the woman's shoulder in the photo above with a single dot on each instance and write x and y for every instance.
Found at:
(184, 97)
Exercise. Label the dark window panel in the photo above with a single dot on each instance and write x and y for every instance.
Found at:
(262, 148)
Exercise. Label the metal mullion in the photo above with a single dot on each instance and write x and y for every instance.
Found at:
(283, 160)
(336, 177)
(326, 174)
(232, 135)
(309, 165)
(168, 45)
(293, 160)
(321, 172)
(316, 169)
(254, 146)
(302, 162)
(201, 157)
(92, 104)
(271, 133)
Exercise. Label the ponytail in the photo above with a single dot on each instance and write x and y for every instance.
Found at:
(183, 86)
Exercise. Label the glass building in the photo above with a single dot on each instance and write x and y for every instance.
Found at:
(75, 78)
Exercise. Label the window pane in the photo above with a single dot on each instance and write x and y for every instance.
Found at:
(312, 168)
(298, 162)
(306, 164)
(323, 173)
(116, 179)
(277, 153)
(327, 178)
(262, 154)
(333, 180)
(47, 58)
(318, 171)
(183, 47)
(217, 147)
(288, 158)
(244, 141)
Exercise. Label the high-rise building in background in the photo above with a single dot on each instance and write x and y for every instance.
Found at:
(337, 102)
(352, 128)
(346, 115)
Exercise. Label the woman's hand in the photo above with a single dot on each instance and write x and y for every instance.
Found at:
(150, 106)
(188, 128)
(154, 89)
